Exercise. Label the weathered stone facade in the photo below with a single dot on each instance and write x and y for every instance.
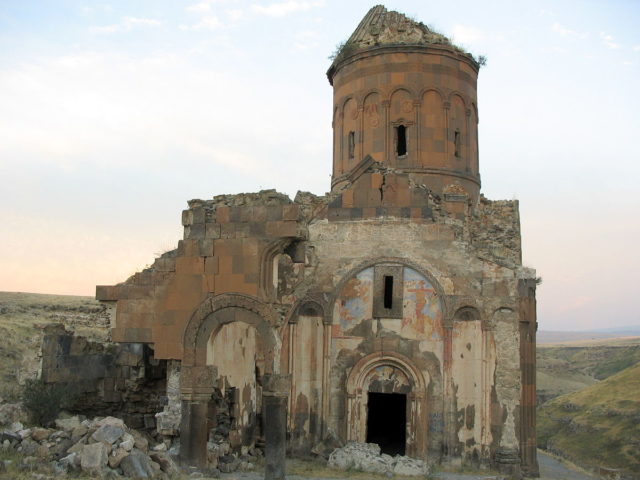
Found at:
(399, 298)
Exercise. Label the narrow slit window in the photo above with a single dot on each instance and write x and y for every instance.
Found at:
(352, 144)
(401, 140)
(388, 291)
(456, 142)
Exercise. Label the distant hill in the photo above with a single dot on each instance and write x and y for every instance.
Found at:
(568, 367)
(596, 426)
(553, 337)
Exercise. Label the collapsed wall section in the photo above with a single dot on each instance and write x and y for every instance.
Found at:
(122, 380)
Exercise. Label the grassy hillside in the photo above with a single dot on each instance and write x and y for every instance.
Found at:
(22, 318)
(564, 369)
(597, 426)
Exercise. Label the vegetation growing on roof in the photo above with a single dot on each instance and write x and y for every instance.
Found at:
(428, 36)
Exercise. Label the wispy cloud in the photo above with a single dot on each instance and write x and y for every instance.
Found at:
(567, 32)
(280, 9)
(636, 48)
(200, 7)
(609, 41)
(209, 22)
(127, 24)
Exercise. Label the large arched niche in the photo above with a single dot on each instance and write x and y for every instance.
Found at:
(197, 378)
(388, 372)
(424, 306)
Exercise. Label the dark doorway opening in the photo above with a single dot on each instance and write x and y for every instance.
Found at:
(386, 421)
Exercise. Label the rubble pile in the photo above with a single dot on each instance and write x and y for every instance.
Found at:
(103, 446)
(367, 458)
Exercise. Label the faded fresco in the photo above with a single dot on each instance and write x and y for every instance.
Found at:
(422, 312)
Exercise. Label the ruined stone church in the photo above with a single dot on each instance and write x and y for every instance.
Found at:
(395, 309)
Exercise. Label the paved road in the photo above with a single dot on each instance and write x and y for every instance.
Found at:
(553, 469)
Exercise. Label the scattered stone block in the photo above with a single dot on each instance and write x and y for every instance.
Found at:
(94, 457)
(68, 424)
(108, 433)
(117, 456)
(137, 465)
(39, 434)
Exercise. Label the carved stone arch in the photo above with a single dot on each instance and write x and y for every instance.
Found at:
(460, 95)
(421, 269)
(311, 309)
(269, 253)
(197, 378)
(373, 91)
(467, 313)
(497, 315)
(358, 384)
(408, 90)
(350, 98)
(214, 312)
(362, 369)
(474, 109)
(443, 96)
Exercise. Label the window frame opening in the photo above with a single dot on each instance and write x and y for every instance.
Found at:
(388, 301)
(457, 143)
(388, 291)
(401, 140)
(351, 145)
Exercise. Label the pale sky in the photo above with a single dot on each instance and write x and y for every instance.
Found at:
(114, 114)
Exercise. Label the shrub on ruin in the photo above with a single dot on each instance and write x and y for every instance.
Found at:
(44, 401)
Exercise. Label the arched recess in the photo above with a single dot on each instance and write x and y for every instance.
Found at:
(197, 378)
(422, 270)
(474, 162)
(433, 130)
(233, 349)
(307, 348)
(373, 124)
(362, 380)
(337, 127)
(350, 135)
(467, 313)
(457, 129)
(402, 125)
(472, 368)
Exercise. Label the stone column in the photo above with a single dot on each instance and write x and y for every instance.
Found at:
(275, 394)
(193, 430)
(197, 386)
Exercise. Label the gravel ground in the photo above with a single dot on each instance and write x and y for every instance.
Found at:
(551, 468)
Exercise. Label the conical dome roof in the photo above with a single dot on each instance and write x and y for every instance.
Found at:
(381, 27)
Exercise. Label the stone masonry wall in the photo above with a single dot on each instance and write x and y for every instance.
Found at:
(105, 379)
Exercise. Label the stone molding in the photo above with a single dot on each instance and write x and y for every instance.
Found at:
(266, 320)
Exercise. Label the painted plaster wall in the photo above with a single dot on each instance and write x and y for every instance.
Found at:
(443, 251)
(233, 351)
(306, 393)
(473, 365)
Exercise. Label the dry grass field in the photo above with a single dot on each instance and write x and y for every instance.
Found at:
(22, 319)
